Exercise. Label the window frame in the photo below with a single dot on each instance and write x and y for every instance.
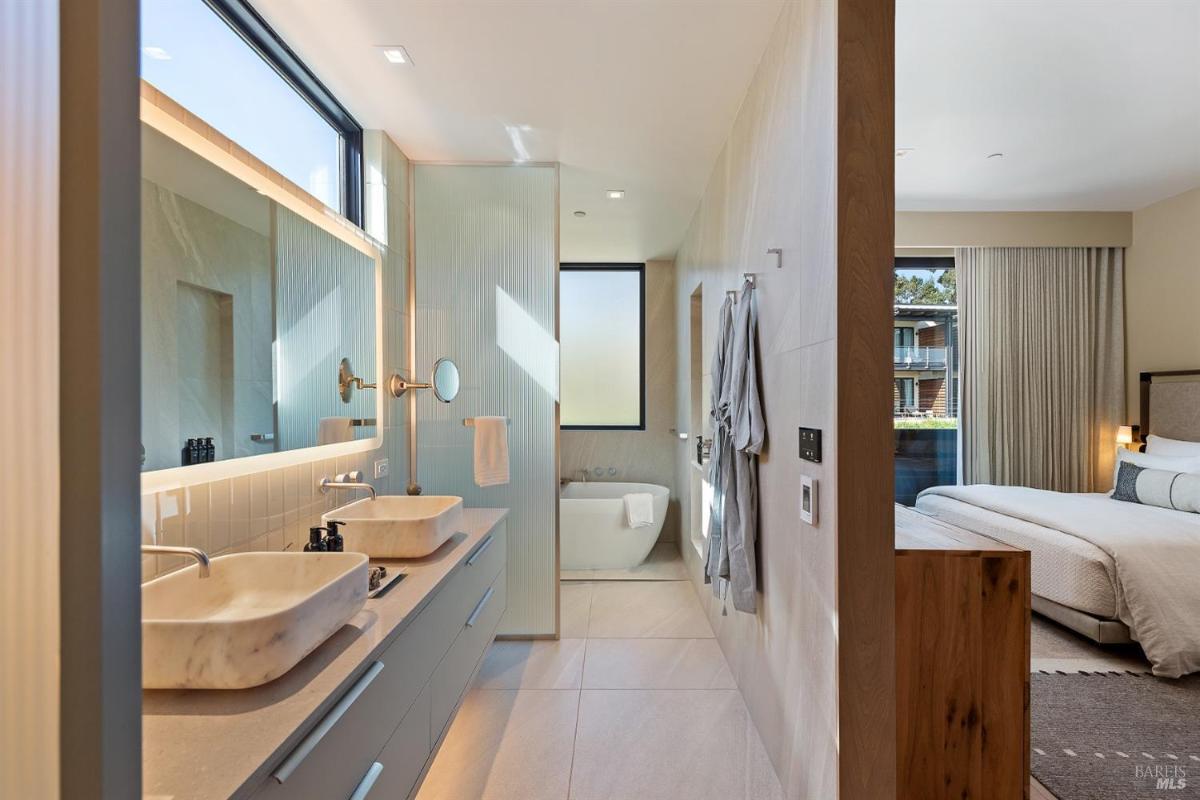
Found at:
(640, 268)
(260, 37)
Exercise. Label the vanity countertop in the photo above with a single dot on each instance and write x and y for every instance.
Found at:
(212, 745)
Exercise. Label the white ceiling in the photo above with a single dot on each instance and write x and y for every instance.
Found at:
(637, 95)
(1094, 103)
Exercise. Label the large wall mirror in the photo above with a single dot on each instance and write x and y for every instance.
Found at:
(253, 303)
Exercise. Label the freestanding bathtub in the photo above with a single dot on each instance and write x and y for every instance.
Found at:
(593, 533)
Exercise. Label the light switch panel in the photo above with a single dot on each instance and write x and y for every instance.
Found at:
(381, 468)
(810, 444)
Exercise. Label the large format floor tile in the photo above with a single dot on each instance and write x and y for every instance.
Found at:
(656, 664)
(652, 609)
(663, 564)
(532, 665)
(699, 745)
(575, 604)
(506, 745)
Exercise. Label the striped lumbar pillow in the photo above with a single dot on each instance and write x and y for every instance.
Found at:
(1158, 487)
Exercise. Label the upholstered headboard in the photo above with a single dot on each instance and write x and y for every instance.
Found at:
(1171, 404)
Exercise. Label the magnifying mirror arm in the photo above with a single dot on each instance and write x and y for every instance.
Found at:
(398, 385)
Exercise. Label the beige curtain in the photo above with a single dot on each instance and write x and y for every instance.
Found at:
(1043, 365)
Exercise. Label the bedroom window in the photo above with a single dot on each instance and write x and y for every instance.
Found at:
(925, 396)
(602, 330)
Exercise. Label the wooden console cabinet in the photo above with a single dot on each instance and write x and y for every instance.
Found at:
(962, 663)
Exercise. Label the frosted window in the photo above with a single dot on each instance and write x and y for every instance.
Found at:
(192, 56)
(601, 333)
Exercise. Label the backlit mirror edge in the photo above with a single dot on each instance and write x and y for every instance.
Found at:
(216, 151)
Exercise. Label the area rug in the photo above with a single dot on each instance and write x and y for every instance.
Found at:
(1115, 735)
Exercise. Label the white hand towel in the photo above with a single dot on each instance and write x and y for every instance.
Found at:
(491, 451)
(639, 510)
(332, 430)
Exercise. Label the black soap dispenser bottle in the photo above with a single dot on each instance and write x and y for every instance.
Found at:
(188, 454)
(334, 540)
(195, 451)
(315, 543)
(210, 450)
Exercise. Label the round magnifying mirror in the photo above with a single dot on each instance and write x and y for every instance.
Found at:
(445, 380)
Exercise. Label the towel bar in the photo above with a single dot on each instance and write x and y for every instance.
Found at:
(469, 422)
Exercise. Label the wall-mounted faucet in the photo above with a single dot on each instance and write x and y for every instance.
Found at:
(166, 550)
(348, 480)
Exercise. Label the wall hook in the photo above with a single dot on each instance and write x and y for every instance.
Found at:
(778, 253)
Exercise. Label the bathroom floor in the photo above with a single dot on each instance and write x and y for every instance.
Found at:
(605, 712)
(663, 564)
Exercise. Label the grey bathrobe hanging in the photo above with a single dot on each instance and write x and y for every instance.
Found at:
(748, 433)
(716, 559)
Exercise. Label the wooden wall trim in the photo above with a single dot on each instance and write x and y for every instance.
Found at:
(865, 524)
(99, 400)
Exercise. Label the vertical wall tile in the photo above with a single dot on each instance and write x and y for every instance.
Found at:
(195, 520)
(275, 499)
(220, 505)
(170, 512)
(239, 512)
(259, 503)
(149, 513)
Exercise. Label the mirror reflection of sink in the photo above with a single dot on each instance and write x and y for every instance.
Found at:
(253, 619)
(398, 526)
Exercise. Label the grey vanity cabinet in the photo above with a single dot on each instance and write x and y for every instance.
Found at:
(377, 739)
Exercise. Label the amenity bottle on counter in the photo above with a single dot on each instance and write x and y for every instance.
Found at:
(315, 543)
(334, 541)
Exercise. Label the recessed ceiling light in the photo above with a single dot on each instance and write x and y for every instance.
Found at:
(996, 155)
(615, 194)
(580, 213)
(157, 53)
(901, 152)
(396, 54)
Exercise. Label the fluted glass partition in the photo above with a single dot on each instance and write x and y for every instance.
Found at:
(485, 254)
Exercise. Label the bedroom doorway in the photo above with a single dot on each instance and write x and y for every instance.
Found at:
(1046, 198)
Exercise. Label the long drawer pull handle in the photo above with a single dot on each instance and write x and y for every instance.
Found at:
(318, 733)
(479, 551)
(367, 783)
(471, 620)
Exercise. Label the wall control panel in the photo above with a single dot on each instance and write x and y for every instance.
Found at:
(810, 444)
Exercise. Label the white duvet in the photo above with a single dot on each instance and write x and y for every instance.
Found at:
(1156, 552)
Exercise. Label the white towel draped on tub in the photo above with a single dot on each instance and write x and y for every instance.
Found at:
(491, 451)
(639, 510)
(332, 430)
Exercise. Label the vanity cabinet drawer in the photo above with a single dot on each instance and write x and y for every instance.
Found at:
(456, 669)
(332, 760)
(412, 657)
(406, 752)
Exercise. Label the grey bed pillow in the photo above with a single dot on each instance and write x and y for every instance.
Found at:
(1158, 487)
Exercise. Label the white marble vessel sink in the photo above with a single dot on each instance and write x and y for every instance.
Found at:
(254, 618)
(396, 526)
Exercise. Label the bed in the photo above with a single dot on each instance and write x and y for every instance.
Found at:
(1111, 570)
